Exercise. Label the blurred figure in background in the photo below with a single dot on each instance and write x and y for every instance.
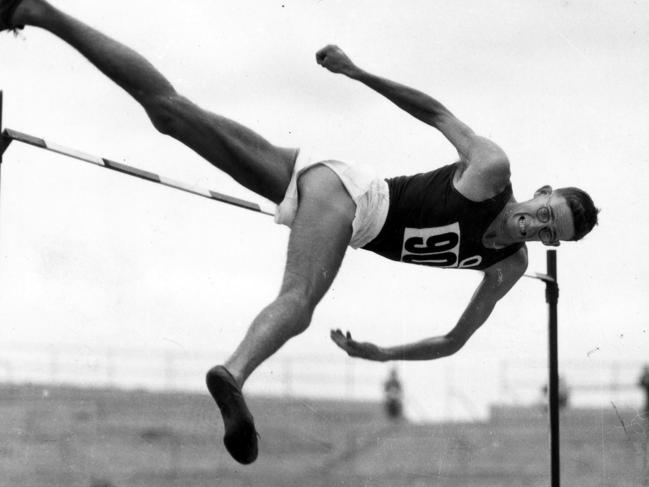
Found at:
(393, 396)
(564, 393)
(644, 383)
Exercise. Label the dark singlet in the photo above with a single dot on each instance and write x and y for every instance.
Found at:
(429, 222)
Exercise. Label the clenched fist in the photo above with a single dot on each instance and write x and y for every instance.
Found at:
(335, 60)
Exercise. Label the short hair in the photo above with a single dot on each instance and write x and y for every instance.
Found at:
(584, 212)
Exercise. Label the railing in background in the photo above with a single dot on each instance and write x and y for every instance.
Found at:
(449, 390)
(589, 382)
(169, 370)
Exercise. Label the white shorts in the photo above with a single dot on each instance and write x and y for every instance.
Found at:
(368, 191)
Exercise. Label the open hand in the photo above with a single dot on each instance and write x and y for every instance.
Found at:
(353, 348)
(335, 60)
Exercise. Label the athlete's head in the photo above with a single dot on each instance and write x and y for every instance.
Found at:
(553, 215)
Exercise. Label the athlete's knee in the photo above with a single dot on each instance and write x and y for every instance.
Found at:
(168, 112)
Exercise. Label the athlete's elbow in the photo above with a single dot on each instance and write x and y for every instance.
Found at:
(454, 343)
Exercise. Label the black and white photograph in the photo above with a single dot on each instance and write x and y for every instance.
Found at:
(324, 243)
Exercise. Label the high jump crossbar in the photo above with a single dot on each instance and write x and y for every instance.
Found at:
(9, 135)
(552, 298)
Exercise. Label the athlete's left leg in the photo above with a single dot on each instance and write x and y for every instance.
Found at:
(233, 148)
(319, 237)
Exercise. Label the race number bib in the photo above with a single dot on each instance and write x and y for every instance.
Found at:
(436, 246)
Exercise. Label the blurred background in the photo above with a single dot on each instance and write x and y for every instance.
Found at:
(124, 417)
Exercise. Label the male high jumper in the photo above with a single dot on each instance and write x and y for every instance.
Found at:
(462, 215)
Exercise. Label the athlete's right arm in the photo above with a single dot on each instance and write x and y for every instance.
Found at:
(418, 104)
(497, 282)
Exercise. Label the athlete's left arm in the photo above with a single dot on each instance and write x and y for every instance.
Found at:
(497, 282)
(478, 153)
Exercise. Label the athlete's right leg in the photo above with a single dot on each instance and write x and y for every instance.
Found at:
(244, 155)
(320, 233)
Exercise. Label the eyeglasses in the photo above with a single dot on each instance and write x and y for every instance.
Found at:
(544, 215)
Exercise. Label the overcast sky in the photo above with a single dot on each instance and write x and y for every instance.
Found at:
(98, 259)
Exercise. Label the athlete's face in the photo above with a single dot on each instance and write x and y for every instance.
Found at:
(546, 218)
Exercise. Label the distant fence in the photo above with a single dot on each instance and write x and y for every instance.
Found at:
(289, 375)
(589, 382)
(451, 389)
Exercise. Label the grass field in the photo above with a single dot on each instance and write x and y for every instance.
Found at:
(58, 436)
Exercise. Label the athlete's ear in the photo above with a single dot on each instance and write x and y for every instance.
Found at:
(543, 191)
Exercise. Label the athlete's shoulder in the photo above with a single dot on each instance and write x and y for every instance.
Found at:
(487, 157)
(519, 258)
(486, 151)
(484, 172)
(512, 266)
(502, 276)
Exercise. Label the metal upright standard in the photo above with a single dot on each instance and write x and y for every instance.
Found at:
(552, 298)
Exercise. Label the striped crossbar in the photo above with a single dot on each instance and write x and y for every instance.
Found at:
(10, 135)
(540, 277)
